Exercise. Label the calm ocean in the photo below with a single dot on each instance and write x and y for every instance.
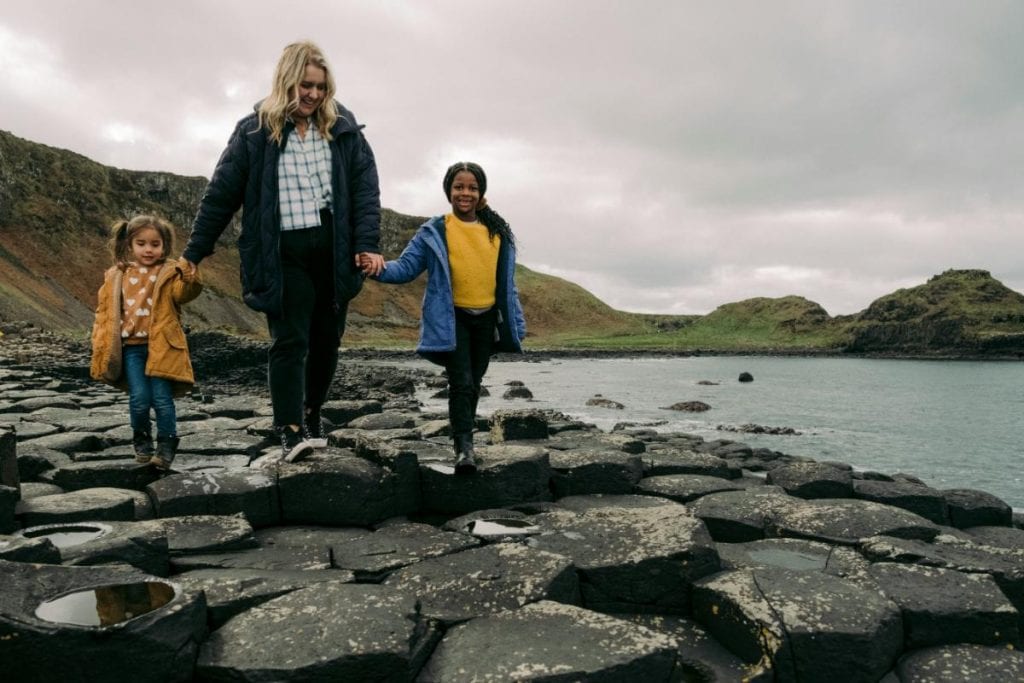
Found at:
(951, 423)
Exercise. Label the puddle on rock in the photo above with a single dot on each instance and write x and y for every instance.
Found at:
(106, 605)
(68, 535)
(788, 559)
(491, 528)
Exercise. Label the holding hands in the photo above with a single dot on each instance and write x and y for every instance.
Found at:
(370, 264)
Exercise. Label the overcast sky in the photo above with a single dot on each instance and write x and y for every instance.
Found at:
(668, 156)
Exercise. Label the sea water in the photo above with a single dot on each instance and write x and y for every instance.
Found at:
(954, 424)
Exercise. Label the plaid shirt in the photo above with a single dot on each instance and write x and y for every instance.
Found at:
(304, 179)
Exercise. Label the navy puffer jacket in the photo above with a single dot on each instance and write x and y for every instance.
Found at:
(246, 178)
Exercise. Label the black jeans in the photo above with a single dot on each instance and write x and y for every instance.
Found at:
(466, 365)
(305, 337)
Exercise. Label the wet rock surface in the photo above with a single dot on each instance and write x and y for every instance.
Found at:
(572, 554)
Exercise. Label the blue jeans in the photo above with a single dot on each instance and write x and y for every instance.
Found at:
(148, 392)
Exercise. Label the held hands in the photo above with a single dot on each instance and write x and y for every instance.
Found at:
(188, 266)
(370, 264)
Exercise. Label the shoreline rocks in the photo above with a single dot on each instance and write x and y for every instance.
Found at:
(633, 555)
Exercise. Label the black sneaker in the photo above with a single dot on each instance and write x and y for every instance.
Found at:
(313, 429)
(293, 446)
(142, 442)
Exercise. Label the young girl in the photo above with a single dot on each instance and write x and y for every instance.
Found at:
(471, 305)
(137, 340)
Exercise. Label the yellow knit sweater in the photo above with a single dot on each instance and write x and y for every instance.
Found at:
(473, 258)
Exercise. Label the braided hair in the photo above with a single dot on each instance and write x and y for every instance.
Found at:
(492, 220)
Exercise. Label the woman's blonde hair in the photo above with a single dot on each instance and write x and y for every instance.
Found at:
(283, 99)
(122, 232)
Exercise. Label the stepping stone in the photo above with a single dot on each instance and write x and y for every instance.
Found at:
(229, 592)
(71, 442)
(551, 641)
(738, 516)
(683, 488)
(813, 480)
(200, 534)
(340, 413)
(1005, 566)
(487, 580)
(20, 549)
(127, 627)
(518, 425)
(944, 606)
(966, 663)
(921, 500)
(120, 474)
(997, 536)
(801, 625)
(699, 657)
(506, 475)
(330, 631)
(97, 505)
(250, 492)
(374, 556)
(968, 507)
(94, 543)
(388, 420)
(660, 461)
(275, 558)
(847, 521)
(796, 555)
(334, 487)
(632, 559)
(588, 471)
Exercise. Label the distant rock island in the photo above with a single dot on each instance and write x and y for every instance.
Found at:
(50, 196)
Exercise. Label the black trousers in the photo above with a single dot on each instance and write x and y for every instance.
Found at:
(305, 337)
(466, 365)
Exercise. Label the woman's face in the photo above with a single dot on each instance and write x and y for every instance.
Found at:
(311, 91)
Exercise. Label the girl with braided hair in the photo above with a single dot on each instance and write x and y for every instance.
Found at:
(471, 306)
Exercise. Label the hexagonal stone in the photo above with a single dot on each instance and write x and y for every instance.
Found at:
(848, 521)
(196, 534)
(944, 606)
(632, 559)
(94, 543)
(487, 580)
(551, 641)
(21, 549)
(335, 487)
(812, 480)
(998, 536)
(230, 592)
(921, 500)
(121, 474)
(672, 460)
(968, 507)
(737, 516)
(966, 663)
(506, 475)
(375, 555)
(683, 488)
(99, 504)
(587, 471)
(700, 657)
(518, 425)
(227, 492)
(803, 625)
(1005, 566)
(125, 626)
(329, 631)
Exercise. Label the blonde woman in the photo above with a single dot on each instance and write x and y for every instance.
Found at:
(305, 178)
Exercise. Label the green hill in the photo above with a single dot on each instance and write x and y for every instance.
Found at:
(55, 207)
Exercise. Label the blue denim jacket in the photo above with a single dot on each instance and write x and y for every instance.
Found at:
(428, 250)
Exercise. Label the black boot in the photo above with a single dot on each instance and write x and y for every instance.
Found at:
(143, 444)
(465, 456)
(166, 449)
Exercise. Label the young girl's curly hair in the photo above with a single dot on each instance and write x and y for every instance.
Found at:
(496, 225)
(122, 232)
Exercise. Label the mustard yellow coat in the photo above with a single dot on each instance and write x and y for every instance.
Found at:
(168, 350)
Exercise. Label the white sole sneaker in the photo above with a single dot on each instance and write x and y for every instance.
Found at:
(299, 451)
(317, 443)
